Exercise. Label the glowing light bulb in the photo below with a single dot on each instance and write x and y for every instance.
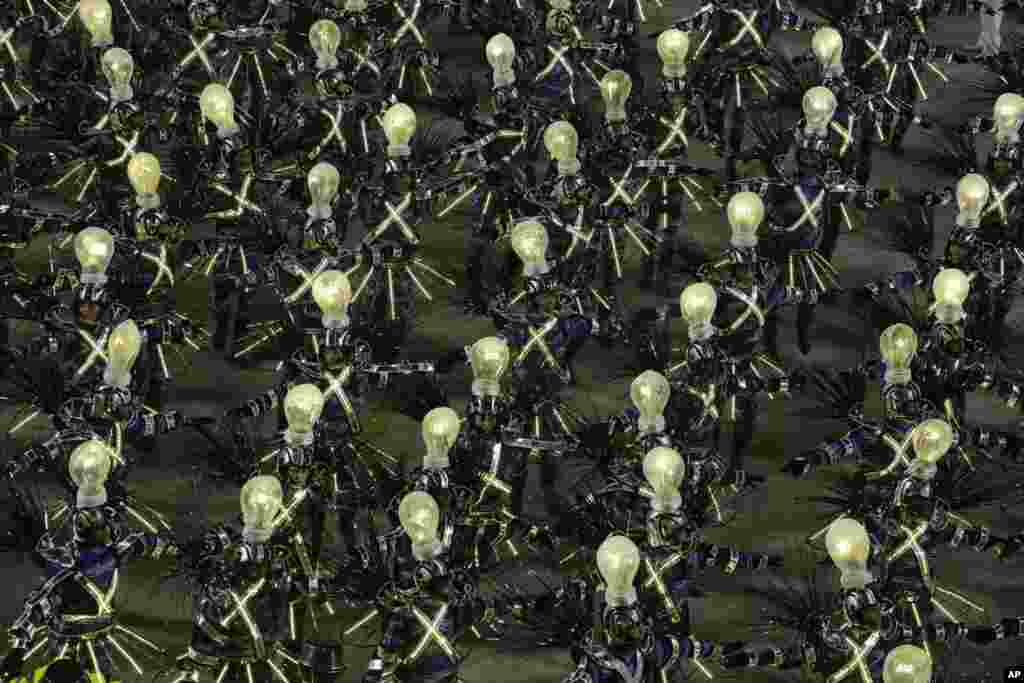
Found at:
(664, 470)
(932, 439)
(697, 304)
(144, 176)
(849, 546)
(262, 499)
(950, 287)
(98, 19)
(529, 241)
(420, 517)
(819, 105)
(1008, 114)
(217, 105)
(332, 293)
(562, 142)
(118, 66)
(827, 46)
(399, 126)
(323, 181)
(89, 467)
(907, 664)
(501, 55)
(123, 348)
(94, 248)
(615, 88)
(972, 194)
(489, 358)
(618, 560)
(440, 430)
(302, 407)
(673, 46)
(324, 38)
(898, 345)
(745, 212)
(650, 392)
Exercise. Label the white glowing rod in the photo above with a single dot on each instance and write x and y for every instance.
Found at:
(557, 57)
(857, 661)
(877, 52)
(676, 131)
(751, 309)
(844, 133)
(335, 133)
(912, 544)
(408, 24)
(241, 198)
(241, 603)
(5, 41)
(618, 189)
(899, 450)
(307, 280)
(199, 52)
(432, 633)
(95, 350)
(998, 201)
(395, 217)
(536, 339)
(748, 27)
(363, 60)
(336, 388)
(810, 209)
(163, 269)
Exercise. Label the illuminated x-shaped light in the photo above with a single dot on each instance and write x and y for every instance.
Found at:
(899, 450)
(877, 52)
(5, 41)
(395, 217)
(104, 601)
(307, 281)
(199, 52)
(408, 24)
(913, 544)
(557, 57)
(998, 202)
(810, 209)
(537, 339)
(336, 387)
(334, 134)
(748, 27)
(490, 478)
(845, 134)
(95, 350)
(363, 60)
(619, 190)
(242, 603)
(656, 574)
(242, 203)
(163, 269)
(857, 660)
(707, 399)
(432, 632)
(751, 309)
(675, 131)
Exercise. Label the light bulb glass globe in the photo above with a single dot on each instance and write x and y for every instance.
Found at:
(323, 182)
(618, 560)
(827, 45)
(98, 18)
(932, 439)
(123, 348)
(440, 430)
(144, 175)
(819, 105)
(898, 346)
(1008, 113)
(907, 664)
(972, 195)
(324, 38)
(501, 55)
(562, 142)
(849, 546)
(94, 249)
(302, 407)
(118, 66)
(664, 470)
(615, 88)
(420, 517)
(697, 304)
(89, 467)
(745, 212)
(217, 105)
(650, 392)
(489, 357)
(332, 293)
(529, 241)
(673, 46)
(399, 124)
(950, 288)
(262, 499)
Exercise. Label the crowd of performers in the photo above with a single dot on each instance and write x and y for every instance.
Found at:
(306, 150)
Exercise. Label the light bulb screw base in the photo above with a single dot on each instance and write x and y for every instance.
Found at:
(298, 438)
(654, 425)
(701, 331)
(834, 70)
(968, 221)
(120, 94)
(436, 461)
(399, 151)
(486, 387)
(924, 471)
(332, 322)
(743, 240)
(950, 314)
(662, 505)
(225, 132)
(319, 212)
(536, 269)
(254, 535)
(855, 579)
(673, 71)
(568, 167)
(615, 115)
(504, 77)
(103, 41)
(147, 200)
(426, 551)
(325, 62)
(117, 378)
(614, 598)
(897, 376)
(98, 279)
(84, 501)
